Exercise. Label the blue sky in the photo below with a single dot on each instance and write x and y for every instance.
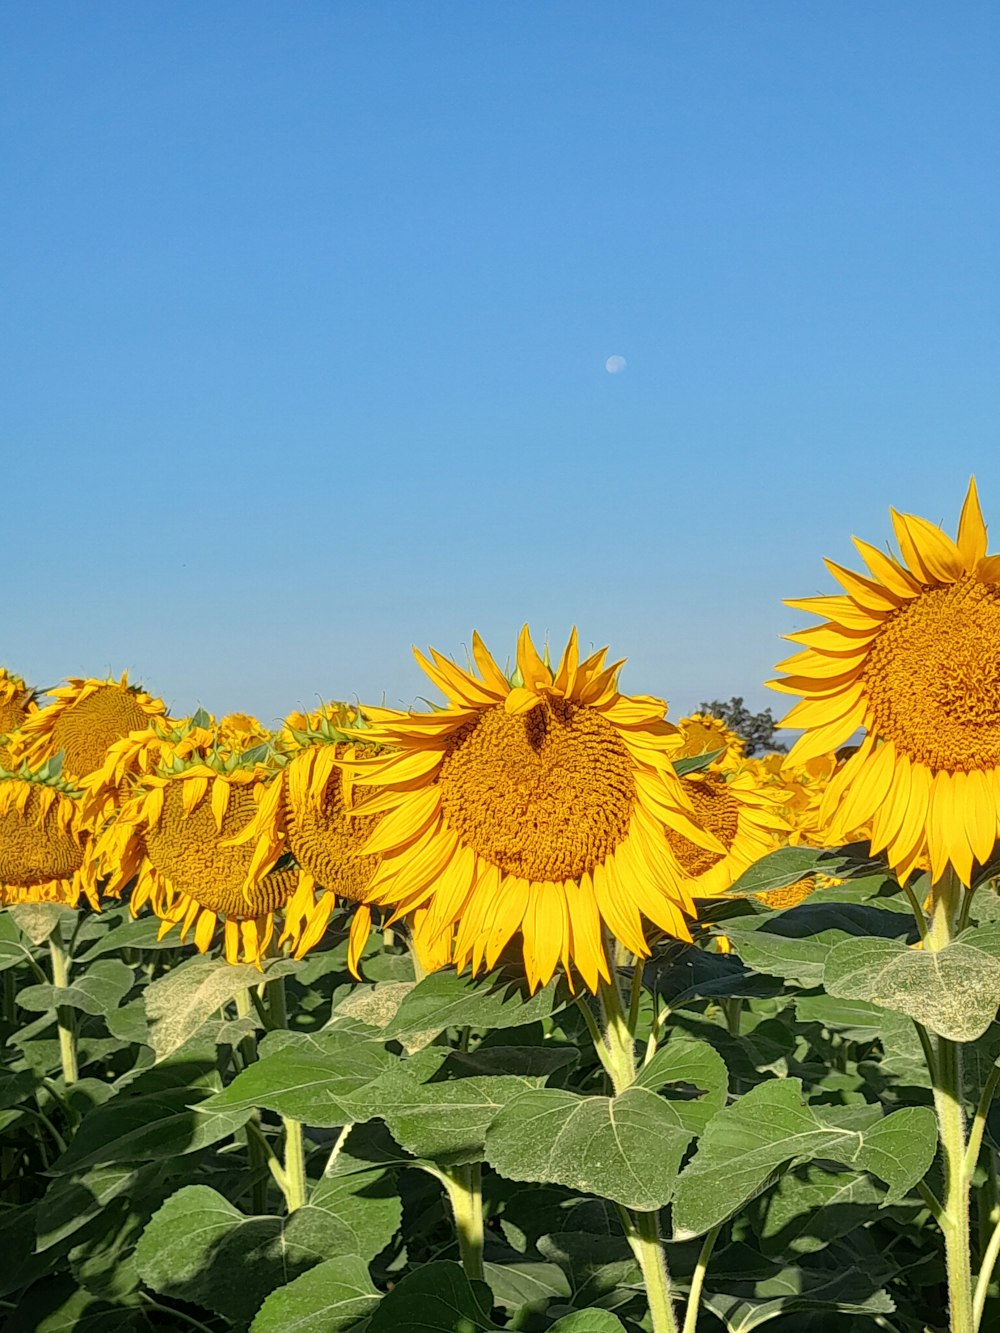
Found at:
(307, 308)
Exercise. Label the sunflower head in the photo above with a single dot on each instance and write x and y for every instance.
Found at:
(17, 703)
(84, 719)
(910, 652)
(175, 837)
(312, 813)
(704, 734)
(531, 805)
(45, 852)
(746, 817)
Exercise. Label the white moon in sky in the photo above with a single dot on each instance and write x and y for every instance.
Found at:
(615, 365)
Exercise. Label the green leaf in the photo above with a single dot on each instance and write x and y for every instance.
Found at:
(141, 933)
(13, 949)
(693, 1063)
(446, 1000)
(445, 1121)
(437, 1298)
(182, 1001)
(131, 1128)
(323, 1079)
(199, 1248)
(330, 1298)
(39, 920)
(588, 1321)
(365, 1208)
(70, 1202)
(795, 944)
(770, 1128)
(521, 1282)
(683, 972)
(858, 1020)
(99, 990)
(594, 1264)
(696, 762)
(58, 1305)
(954, 992)
(813, 1205)
(847, 1279)
(783, 867)
(626, 1148)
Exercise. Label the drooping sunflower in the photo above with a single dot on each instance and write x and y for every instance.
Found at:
(313, 813)
(45, 852)
(17, 703)
(85, 718)
(745, 817)
(533, 805)
(174, 837)
(912, 655)
(165, 741)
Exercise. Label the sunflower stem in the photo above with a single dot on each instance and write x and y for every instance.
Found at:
(642, 1228)
(947, 1080)
(295, 1187)
(64, 1015)
(258, 1149)
(698, 1280)
(464, 1186)
(985, 1275)
(915, 907)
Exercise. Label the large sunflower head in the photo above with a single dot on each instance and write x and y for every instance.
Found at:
(911, 653)
(45, 853)
(535, 805)
(313, 814)
(745, 816)
(17, 703)
(84, 719)
(175, 836)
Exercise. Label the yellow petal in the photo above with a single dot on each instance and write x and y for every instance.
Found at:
(972, 529)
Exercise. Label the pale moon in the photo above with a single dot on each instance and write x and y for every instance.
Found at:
(615, 365)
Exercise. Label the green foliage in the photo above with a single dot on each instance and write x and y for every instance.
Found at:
(781, 1097)
(757, 729)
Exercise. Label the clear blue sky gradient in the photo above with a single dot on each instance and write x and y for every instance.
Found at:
(306, 309)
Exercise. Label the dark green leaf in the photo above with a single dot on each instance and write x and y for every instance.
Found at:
(437, 1298)
(626, 1148)
(445, 1000)
(330, 1298)
(99, 990)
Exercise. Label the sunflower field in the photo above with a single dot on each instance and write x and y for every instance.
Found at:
(533, 1010)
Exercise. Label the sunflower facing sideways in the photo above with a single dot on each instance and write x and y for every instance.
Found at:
(911, 654)
(84, 719)
(173, 836)
(534, 805)
(307, 813)
(16, 706)
(45, 853)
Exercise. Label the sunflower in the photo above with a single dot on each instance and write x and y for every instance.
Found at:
(312, 813)
(174, 837)
(535, 805)
(164, 742)
(86, 717)
(17, 703)
(912, 655)
(745, 817)
(45, 854)
(703, 733)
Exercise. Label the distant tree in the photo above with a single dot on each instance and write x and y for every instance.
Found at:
(757, 729)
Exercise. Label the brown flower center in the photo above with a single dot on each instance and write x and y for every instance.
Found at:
(325, 840)
(85, 730)
(717, 810)
(546, 796)
(34, 853)
(932, 677)
(187, 850)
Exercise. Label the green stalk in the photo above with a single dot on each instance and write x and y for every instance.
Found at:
(295, 1164)
(946, 1074)
(464, 1186)
(642, 1228)
(257, 1157)
(698, 1280)
(64, 1015)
